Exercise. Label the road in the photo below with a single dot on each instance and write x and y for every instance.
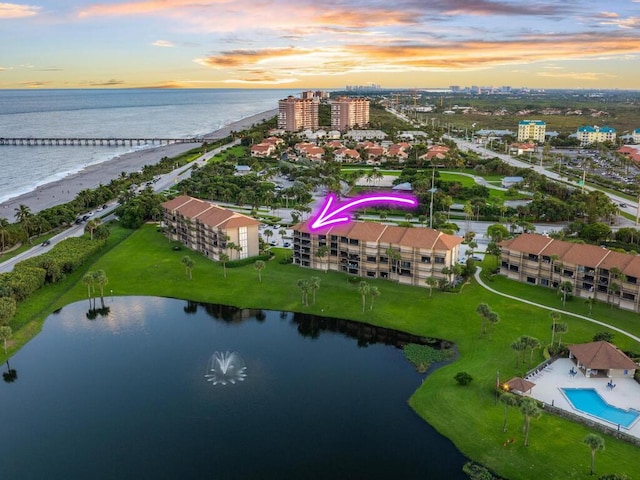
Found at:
(76, 230)
(631, 207)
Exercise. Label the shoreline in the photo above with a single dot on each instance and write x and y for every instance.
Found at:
(65, 189)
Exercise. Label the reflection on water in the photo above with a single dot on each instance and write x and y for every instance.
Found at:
(125, 393)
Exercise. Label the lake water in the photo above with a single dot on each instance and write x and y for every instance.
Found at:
(125, 396)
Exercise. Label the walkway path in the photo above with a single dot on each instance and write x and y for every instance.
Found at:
(582, 317)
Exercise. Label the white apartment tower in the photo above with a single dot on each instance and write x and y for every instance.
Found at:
(347, 112)
(295, 114)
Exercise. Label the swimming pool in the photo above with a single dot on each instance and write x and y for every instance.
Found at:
(588, 401)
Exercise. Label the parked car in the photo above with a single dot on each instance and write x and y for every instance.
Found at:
(46, 242)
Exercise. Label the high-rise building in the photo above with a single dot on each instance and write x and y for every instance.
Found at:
(348, 112)
(532, 130)
(589, 135)
(295, 114)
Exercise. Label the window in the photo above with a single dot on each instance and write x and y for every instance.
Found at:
(531, 280)
(439, 260)
(371, 259)
(425, 259)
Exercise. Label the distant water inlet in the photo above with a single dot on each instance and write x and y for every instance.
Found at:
(588, 401)
(225, 367)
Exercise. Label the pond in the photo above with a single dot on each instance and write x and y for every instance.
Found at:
(127, 392)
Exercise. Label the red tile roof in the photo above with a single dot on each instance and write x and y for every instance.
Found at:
(208, 213)
(601, 356)
(423, 238)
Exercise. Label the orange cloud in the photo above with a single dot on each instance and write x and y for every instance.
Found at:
(403, 58)
(14, 10)
(150, 6)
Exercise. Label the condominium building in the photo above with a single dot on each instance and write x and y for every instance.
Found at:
(374, 250)
(532, 130)
(349, 112)
(295, 114)
(594, 134)
(636, 136)
(210, 229)
(592, 271)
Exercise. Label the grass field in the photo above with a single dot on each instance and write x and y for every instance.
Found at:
(145, 264)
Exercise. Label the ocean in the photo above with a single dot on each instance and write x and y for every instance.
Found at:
(144, 113)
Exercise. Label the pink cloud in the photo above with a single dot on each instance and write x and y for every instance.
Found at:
(14, 10)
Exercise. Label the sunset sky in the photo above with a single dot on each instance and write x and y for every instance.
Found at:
(319, 44)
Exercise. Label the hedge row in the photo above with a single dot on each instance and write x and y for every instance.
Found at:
(250, 260)
(31, 274)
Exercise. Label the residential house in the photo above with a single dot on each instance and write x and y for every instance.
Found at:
(593, 272)
(262, 150)
(210, 229)
(521, 148)
(364, 249)
(346, 155)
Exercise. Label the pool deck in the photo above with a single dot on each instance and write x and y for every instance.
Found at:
(625, 395)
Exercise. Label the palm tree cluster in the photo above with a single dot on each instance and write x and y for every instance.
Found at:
(488, 318)
(522, 345)
(91, 280)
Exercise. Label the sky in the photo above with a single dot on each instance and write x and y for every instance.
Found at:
(319, 44)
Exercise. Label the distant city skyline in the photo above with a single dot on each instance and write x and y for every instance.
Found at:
(305, 44)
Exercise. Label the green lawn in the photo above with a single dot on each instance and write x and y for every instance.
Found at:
(145, 264)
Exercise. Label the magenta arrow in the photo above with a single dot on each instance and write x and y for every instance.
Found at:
(330, 213)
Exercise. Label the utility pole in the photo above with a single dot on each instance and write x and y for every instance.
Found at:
(433, 176)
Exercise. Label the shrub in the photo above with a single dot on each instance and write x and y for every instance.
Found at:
(423, 356)
(463, 378)
(477, 472)
(249, 260)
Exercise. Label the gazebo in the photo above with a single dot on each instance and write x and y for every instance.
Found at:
(519, 385)
(602, 359)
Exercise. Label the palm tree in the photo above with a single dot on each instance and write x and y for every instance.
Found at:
(268, 233)
(374, 292)
(364, 290)
(431, 282)
(394, 257)
(100, 279)
(493, 318)
(529, 408)
(232, 246)
(508, 400)
(91, 226)
(259, 265)
(322, 252)
(304, 286)
(88, 279)
(483, 310)
(4, 231)
(224, 258)
(561, 329)
(5, 334)
(518, 346)
(532, 343)
(188, 265)
(590, 302)
(555, 317)
(314, 285)
(566, 287)
(25, 218)
(594, 442)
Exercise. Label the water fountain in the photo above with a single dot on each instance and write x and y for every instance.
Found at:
(225, 367)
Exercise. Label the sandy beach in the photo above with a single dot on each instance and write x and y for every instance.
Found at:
(66, 189)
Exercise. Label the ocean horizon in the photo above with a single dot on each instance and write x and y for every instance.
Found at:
(104, 113)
